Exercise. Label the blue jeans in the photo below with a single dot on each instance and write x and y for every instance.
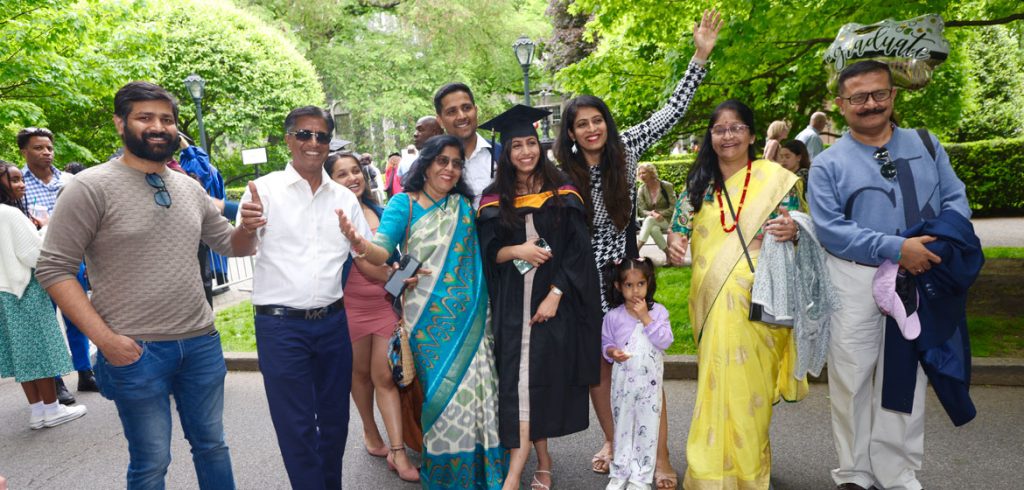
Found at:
(307, 373)
(192, 370)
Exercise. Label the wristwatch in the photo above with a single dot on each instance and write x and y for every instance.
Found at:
(556, 291)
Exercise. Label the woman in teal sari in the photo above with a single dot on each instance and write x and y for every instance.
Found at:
(447, 310)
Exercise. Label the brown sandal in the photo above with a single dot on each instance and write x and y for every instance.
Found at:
(665, 481)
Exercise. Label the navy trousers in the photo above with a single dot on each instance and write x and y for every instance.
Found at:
(307, 373)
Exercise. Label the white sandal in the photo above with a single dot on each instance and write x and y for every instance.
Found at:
(536, 484)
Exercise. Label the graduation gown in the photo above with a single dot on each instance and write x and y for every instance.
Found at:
(565, 350)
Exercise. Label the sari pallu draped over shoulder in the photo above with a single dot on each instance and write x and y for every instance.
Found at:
(453, 351)
(744, 367)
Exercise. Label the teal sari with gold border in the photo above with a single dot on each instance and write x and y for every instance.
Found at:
(451, 342)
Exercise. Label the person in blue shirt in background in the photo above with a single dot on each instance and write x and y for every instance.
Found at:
(874, 183)
(196, 163)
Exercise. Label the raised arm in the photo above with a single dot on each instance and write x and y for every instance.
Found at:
(639, 138)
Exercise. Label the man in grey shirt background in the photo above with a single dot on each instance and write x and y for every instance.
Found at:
(138, 225)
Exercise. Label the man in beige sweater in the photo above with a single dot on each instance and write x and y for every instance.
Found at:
(138, 226)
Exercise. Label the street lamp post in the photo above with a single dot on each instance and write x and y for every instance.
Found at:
(545, 124)
(195, 86)
(523, 48)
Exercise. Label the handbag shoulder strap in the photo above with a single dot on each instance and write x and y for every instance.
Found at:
(743, 243)
(927, 140)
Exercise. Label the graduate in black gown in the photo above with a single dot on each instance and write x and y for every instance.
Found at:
(545, 297)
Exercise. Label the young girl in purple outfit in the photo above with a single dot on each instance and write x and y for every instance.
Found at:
(635, 334)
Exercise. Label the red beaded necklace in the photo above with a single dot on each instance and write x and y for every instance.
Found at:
(739, 209)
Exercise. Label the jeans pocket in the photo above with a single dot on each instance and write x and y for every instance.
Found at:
(131, 381)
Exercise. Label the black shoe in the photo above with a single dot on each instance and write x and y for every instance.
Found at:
(850, 486)
(87, 381)
(63, 395)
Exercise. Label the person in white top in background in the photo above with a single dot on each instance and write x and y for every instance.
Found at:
(302, 333)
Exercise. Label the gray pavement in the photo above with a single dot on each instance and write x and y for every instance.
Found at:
(91, 453)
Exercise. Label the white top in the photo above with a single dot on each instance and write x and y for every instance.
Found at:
(406, 163)
(810, 138)
(301, 249)
(478, 169)
(19, 249)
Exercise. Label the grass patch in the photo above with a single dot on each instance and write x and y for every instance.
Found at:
(674, 293)
(235, 324)
(1003, 252)
(996, 336)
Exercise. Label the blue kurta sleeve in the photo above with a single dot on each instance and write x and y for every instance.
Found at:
(391, 231)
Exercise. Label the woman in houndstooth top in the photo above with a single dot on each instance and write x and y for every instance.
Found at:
(602, 165)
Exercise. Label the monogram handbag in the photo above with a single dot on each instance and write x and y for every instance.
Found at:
(757, 313)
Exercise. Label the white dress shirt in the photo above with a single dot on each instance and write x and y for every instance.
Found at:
(478, 169)
(301, 249)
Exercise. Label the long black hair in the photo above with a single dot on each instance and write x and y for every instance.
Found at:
(505, 183)
(416, 177)
(614, 181)
(618, 273)
(7, 193)
(367, 196)
(705, 168)
(799, 149)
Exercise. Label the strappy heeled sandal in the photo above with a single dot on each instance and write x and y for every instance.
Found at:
(411, 474)
(536, 484)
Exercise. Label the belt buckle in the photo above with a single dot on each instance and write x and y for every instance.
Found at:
(317, 314)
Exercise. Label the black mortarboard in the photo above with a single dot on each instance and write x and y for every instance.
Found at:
(515, 122)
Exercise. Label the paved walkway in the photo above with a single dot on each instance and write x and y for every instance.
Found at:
(91, 453)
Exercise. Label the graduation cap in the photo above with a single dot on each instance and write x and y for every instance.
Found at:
(513, 123)
(337, 144)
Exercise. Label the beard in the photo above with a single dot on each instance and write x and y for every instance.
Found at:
(154, 152)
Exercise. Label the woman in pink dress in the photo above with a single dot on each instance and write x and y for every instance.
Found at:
(371, 321)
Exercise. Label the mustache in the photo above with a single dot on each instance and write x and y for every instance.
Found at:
(869, 112)
(163, 136)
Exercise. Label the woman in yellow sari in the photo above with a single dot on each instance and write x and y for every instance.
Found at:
(744, 367)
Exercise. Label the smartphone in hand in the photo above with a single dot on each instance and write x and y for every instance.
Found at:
(407, 267)
(523, 266)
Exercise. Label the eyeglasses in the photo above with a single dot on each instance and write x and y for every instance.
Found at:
(722, 130)
(862, 98)
(162, 197)
(306, 135)
(888, 169)
(444, 161)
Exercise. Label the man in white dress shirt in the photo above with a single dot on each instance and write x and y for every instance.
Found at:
(456, 111)
(301, 330)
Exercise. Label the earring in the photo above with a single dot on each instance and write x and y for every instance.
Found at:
(573, 149)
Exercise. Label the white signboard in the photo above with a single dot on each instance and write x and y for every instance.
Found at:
(254, 156)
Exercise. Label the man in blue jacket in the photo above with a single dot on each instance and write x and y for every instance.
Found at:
(874, 183)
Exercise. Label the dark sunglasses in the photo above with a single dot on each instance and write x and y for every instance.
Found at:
(306, 135)
(888, 168)
(162, 197)
(444, 161)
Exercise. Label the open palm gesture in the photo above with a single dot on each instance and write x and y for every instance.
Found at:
(705, 33)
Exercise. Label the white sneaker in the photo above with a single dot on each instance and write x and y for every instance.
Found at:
(35, 421)
(63, 415)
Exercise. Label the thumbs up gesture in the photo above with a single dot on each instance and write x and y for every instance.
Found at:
(252, 211)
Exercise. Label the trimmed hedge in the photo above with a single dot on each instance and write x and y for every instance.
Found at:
(992, 170)
(234, 193)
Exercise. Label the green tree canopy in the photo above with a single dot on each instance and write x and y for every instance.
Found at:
(769, 55)
(63, 63)
(382, 61)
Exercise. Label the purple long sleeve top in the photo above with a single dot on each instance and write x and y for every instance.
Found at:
(618, 327)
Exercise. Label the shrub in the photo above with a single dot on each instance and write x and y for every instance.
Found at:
(992, 171)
